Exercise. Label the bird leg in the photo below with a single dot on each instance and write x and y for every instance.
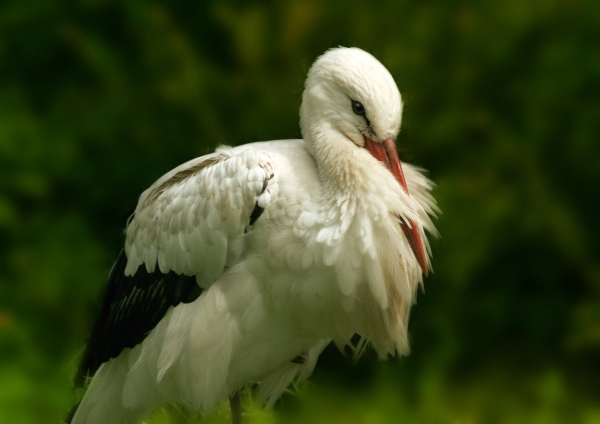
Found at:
(236, 408)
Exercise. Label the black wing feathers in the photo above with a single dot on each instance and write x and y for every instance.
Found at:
(131, 308)
(256, 213)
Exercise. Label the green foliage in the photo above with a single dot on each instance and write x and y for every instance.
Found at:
(98, 98)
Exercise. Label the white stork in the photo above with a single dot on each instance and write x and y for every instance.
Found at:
(242, 265)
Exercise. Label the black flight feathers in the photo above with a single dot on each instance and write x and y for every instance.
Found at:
(131, 308)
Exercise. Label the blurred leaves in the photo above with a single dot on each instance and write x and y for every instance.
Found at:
(98, 98)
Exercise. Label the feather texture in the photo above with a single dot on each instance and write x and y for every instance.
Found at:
(189, 220)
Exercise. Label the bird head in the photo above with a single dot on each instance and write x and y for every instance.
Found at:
(351, 101)
(354, 94)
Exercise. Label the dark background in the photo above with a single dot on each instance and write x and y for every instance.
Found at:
(99, 98)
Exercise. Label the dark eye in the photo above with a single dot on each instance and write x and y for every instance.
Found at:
(358, 108)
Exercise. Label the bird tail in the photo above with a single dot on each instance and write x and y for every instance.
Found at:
(103, 400)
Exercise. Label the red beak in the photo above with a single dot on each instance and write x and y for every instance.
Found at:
(386, 152)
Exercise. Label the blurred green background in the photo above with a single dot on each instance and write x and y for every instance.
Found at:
(98, 98)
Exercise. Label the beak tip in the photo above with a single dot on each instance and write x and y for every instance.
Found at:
(416, 243)
(423, 263)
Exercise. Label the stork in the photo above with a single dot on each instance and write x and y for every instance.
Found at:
(242, 265)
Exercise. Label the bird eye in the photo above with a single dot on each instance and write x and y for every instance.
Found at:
(358, 108)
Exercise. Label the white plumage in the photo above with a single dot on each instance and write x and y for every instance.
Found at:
(327, 258)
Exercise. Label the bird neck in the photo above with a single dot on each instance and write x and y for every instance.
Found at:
(342, 171)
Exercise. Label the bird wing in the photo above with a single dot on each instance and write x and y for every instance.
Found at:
(187, 227)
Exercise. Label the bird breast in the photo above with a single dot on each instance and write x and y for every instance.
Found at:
(341, 260)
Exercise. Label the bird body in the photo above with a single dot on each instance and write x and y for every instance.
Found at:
(242, 265)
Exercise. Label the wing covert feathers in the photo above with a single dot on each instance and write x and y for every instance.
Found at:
(192, 221)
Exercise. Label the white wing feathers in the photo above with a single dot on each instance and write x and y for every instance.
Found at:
(192, 220)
